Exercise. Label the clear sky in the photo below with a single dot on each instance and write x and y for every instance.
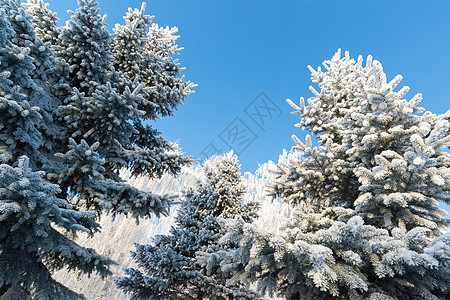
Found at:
(236, 50)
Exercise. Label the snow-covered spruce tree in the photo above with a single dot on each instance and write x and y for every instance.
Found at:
(32, 240)
(32, 219)
(107, 107)
(84, 42)
(44, 21)
(168, 269)
(66, 130)
(144, 52)
(28, 70)
(368, 226)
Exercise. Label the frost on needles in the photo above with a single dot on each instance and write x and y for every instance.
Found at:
(71, 117)
(173, 266)
(366, 192)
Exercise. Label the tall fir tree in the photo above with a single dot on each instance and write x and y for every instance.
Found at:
(32, 218)
(106, 107)
(169, 268)
(84, 46)
(44, 21)
(145, 52)
(367, 223)
(30, 70)
(69, 123)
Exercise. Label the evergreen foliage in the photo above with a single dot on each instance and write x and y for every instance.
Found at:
(74, 102)
(169, 268)
(45, 21)
(144, 52)
(32, 243)
(69, 122)
(367, 223)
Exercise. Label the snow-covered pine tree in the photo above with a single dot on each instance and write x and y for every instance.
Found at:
(368, 224)
(33, 219)
(107, 107)
(168, 269)
(69, 126)
(144, 52)
(44, 21)
(28, 69)
(35, 235)
(84, 42)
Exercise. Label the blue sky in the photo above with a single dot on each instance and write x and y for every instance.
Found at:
(234, 50)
